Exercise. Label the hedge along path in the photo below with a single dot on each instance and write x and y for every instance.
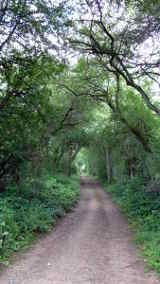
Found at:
(93, 244)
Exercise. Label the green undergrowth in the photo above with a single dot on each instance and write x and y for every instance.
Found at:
(143, 211)
(33, 208)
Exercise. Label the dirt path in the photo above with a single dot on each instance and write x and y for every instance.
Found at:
(92, 245)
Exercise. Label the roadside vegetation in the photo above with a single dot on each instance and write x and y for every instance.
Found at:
(32, 208)
(142, 208)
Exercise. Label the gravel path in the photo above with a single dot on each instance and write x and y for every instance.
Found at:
(91, 245)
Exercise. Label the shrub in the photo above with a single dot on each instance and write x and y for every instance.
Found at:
(143, 210)
(33, 208)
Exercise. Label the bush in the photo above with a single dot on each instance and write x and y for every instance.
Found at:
(143, 210)
(33, 208)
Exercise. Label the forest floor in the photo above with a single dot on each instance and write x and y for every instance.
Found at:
(91, 245)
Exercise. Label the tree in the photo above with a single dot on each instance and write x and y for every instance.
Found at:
(27, 25)
(26, 68)
(90, 79)
(116, 42)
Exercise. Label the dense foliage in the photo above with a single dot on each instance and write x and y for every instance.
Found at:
(79, 94)
(33, 208)
(142, 206)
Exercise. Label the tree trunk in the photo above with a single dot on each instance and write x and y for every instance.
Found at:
(109, 165)
(71, 157)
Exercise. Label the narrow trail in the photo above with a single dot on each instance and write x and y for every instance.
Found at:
(91, 245)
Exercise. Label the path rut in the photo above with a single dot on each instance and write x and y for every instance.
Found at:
(91, 245)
